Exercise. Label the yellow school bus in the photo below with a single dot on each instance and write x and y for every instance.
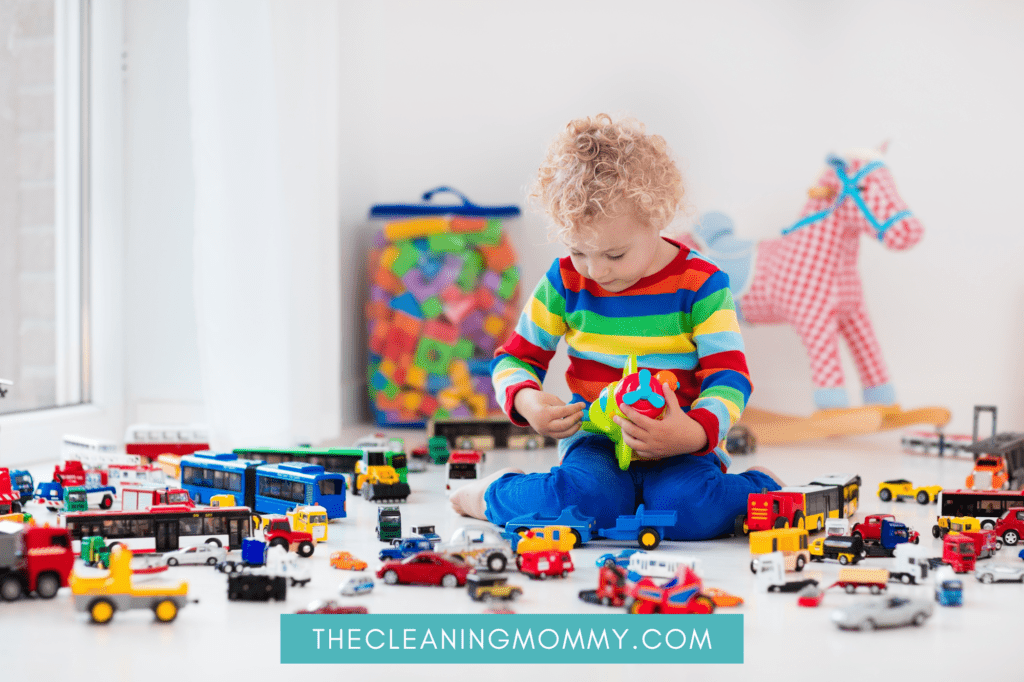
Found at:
(820, 502)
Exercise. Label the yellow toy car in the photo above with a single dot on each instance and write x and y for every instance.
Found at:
(900, 489)
(347, 562)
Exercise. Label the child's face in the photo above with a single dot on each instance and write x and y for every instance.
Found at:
(619, 252)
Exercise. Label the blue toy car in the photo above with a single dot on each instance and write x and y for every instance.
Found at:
(620, 559)
(356, 585)
(583, 527)
(950, 593)
(406, 547)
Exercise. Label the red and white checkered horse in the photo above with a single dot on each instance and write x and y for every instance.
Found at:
(808, 277)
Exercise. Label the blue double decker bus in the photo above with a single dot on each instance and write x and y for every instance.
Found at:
(264, 488)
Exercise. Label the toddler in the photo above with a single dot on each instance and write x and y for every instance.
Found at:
(610, 189)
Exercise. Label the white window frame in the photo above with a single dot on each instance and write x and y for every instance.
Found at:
(89, 302)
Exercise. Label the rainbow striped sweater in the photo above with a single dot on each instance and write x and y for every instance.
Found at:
(681, 318)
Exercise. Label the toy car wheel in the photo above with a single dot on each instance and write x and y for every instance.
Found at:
(306, 549)
(517, 593)
(212, 561)
(391, 578)
(703, 604)
(919, 619)
(47, 585)
(577, 539)
(740, 526)
(542, 576)
(279, 542)
(10, 588)
(649, 538)
(799, 521)
(449, 580)
(936, 531)
(497, 563)
(1011, 538)
(885, 494)
(922, 497)
(101, 611)
(521, 529)
(166, 611)
(850, 589)
(875, 589)
(565, 574)
(843, 560)
(107, 502)
(753, 567)
(172, 562)
(781, 523)
(868, 624)
(986, 578)
(605, 601)
(519, 561)
(905, 579)
(988, 525)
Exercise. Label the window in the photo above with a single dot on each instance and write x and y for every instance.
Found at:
(43, 238)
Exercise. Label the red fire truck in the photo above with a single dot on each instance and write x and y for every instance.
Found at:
(33, 559)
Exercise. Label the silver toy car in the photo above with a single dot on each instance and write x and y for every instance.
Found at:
(890, 612)
(359, 584)
(203, 554)
(1000, 573)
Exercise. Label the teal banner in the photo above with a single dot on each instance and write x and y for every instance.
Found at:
(512, 638)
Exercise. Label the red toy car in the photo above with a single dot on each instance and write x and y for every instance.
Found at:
(332, 607)
(425, 568)
(544, 563)
(682, 594)
(1010, 526)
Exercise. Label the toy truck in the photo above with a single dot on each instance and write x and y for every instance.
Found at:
(94, 551)
(767, 510)
(949, 590)
(33, 559)
(247, 582)
(875, 579)
(389, 523)
(790, 542)
(846, 549)
(21, 483)
(683, 594)
(558, 538)
(910, 565)
(101, 597)
(10, 499)
(771, 574)
(959, 551)
(611, 586)
(583, 527)
(309, 518)
(278, 532)
(479, 545)
(545, 562)
(375, 480)
(645, 527)
(406, 547)
(490, 587)
(462, 466)
(893, 534)
(437, 448)
(144, 497)
(871, 528)
(901, 489)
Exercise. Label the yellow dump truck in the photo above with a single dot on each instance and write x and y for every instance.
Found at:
(101, 596)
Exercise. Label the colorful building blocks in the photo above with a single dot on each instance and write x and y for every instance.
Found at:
(900, 489)
(102, 596)
(425, 568)
(33, 560)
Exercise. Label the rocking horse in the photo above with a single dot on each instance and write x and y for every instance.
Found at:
(808, 277)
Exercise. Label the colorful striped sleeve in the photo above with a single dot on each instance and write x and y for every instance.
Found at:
(522, 361)
(721, 365)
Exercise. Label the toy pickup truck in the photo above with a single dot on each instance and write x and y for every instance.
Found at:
(406, 547)
(583, 527)
(479, 545)
(871, 528)
(901, 489)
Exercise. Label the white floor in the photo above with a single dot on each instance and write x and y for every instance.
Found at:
(782, 640)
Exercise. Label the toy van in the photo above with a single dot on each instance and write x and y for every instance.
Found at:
(792, 542)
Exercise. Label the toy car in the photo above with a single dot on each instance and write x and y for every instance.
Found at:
(949, 590)
(900, 489)
(346, 562)
(810, 596)
(203, 554)
(620, 559)
(544, 563)
(329, 606)
(490, 587)
(356, 585)
(883, 613)
(992, 573)
(989, 473)
(480, 545)
(425, 568)
(583, 527)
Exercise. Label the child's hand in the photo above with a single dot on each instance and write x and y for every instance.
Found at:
(674, 434)
(547, 414)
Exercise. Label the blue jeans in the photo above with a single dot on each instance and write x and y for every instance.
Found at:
(706, 499)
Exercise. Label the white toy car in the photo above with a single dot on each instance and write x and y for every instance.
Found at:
(360, 584)
(889, 612)
(209, 554)
(997, 573)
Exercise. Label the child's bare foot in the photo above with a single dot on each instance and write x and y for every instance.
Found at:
(469, 499)
(770, 474)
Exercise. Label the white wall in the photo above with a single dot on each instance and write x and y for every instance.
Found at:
(751, 96)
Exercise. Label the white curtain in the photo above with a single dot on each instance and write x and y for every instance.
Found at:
(263, 89)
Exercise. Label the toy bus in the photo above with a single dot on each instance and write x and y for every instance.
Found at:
(149, 441)
(93, 452)
(820, 502)
(264, 488)
(486, 433)
(985, 505)
(334, 460)
(162, 528)
(849, 486)
(462, 465)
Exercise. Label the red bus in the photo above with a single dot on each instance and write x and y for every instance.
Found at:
(163, 528)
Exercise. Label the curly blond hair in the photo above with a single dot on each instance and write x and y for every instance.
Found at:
(596, 164)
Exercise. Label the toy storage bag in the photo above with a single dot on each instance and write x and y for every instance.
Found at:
(444, 290)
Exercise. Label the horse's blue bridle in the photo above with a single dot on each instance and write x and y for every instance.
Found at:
(850, 189)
